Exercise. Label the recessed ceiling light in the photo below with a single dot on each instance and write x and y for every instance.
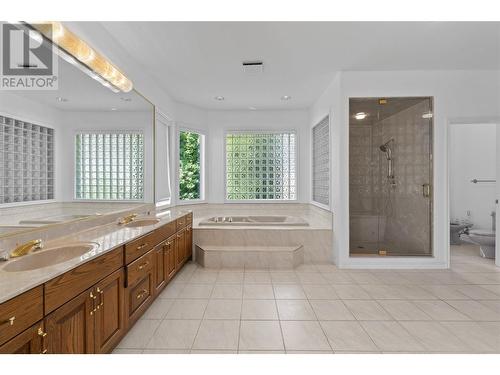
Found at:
(113, 109)
(60, 99)
(252, 108)
(427, 115)
(360, 115)
(220, 98)
(286, 97)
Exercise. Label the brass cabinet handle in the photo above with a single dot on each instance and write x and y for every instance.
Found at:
(142, 246)
(10, 321)
(141, 266)
(45, 351)
(141, 294)
(92, 295)
(41, 333)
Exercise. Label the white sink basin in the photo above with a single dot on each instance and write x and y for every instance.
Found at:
(142, 223)
(49, 257)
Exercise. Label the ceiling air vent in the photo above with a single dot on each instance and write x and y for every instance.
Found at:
(253, 67)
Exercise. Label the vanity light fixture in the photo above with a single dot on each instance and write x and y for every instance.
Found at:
(113, 109)
(286, 97)
(360, 115)
(427, 115)
(79, 52)
(219, 98)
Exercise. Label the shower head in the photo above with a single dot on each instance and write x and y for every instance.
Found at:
(386, 147)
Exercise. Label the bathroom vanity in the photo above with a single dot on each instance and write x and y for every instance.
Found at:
(88, 307)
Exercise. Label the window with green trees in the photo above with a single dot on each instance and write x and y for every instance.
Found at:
(261, 166)
(190, 144)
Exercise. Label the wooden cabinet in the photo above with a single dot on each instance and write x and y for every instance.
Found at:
(70, 284)
(170, 252)
(92, 322)
(90, 308)
(160, 273)
(31, 341)
(21, 312)
(180, 248)
(140, 287)
(70, 328)
(109, 314)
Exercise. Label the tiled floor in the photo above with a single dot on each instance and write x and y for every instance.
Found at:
(320, 309)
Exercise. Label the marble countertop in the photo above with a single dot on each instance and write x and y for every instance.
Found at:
(109, 237)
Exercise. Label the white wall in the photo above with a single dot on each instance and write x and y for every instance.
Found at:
(458, 95)
(220, 121)
(329, 103)
(472, 155)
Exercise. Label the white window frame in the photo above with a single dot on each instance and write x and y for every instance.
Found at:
(106, 131)
(203, 151)
(318, 204)
(165, 120)
(297, 158)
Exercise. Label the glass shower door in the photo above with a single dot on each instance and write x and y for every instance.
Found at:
(396, 138)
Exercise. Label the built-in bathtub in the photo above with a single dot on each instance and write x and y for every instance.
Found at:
(254, 220)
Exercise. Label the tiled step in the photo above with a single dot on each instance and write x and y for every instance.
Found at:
(254, 257)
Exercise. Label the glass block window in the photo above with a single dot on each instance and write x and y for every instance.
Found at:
(261, 166)
(321, 162)
(26, 161)
(109, 166)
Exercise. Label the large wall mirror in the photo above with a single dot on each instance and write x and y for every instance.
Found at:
(73, 153)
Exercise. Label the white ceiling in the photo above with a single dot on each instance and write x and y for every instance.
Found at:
(196, 61)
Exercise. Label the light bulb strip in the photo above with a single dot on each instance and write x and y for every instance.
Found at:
(72, 45)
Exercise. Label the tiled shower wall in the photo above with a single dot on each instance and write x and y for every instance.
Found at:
(405, 209)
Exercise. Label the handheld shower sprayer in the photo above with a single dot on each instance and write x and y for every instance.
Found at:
(387, 149)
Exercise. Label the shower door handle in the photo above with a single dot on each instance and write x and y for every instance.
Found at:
(426, 190)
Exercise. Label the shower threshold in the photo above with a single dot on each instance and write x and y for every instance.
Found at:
(388, 253)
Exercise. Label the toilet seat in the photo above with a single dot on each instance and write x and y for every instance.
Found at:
(482, 232)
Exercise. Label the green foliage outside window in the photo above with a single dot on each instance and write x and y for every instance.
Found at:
(189, 169)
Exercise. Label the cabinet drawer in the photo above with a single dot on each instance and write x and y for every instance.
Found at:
(139, 297)
(166, 231)
(140, 246)
(139, 268)
(70, 284)
(19, 313)
(181, 222)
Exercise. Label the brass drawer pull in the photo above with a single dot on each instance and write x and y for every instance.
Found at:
(92, 295)
(44, 351)
(141, 294)
(140, 247)
(41, 333)
(141, 266)
(10, 321)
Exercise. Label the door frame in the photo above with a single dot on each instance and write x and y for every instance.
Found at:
(466, 121)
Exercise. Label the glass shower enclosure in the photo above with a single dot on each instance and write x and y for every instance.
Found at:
(390, 176)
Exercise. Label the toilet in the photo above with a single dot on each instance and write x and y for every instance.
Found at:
(486, 240)
(456, 229)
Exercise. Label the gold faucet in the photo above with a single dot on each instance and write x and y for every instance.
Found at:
(24, 249)
(127, 219)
